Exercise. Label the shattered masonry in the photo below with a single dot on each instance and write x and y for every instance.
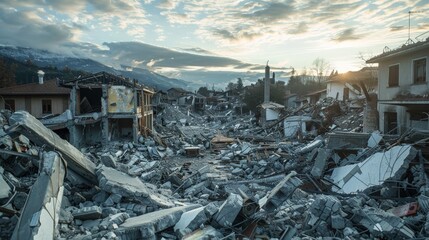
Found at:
(202, 171)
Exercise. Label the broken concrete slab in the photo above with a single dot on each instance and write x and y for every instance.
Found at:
(190, 221)
(320, 162)
(317, 142)
(349, 140)
(374, 170)
(382, 224)
(229, 210)
(40, 215)
(207, 232)
(280, 193)
(114, 181)
(5, 189)
(374, 139)
(24, 123)
(87, 213)
(145, 226)
(108, 160)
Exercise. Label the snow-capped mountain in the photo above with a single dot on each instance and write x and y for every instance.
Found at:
(45, 58)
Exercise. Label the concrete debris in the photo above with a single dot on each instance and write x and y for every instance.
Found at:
(86, 213)
(374, 170)
(24, 123)
(212, 173)
(229, 210)
(39, 217)
(146, 225)
(382, 224)
(114, 181)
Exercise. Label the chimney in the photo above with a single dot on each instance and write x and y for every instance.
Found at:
(267, 83)
(40, 73)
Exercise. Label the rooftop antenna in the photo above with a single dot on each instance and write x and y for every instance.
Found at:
(267, 62)
(410, 41)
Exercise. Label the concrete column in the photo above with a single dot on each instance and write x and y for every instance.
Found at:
(74, 138)
(73, 101)
(135, 128)
(370, 115)
(104, 116)
(267, 84)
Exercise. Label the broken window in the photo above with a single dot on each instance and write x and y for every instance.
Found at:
(9, 104)
(419, 70)
(90, 100)
(46, 106)
(391, 122)
(419, 119)
(394, 75)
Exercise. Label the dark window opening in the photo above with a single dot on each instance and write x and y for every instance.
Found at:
(346, 94)
(420, 70)
(419, 119)
(394, 76)
(90, 100)
(391, 122)
(9, 104)
(46, 106)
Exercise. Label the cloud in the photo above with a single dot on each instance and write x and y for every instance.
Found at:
(271, 13)
(159, 57)
(302, 27)
(197, 50)
(396, 28)
(24, 28)
(347, 35)
(129, 16)
(167, 4)
(239, 34)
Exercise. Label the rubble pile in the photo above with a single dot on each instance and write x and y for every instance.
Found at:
(209, 177)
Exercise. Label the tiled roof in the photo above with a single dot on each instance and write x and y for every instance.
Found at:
(49, 87)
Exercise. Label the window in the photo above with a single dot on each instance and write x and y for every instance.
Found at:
(46, 106)
(391, 122)
(9, 104)
(419, 70)
(394, 75)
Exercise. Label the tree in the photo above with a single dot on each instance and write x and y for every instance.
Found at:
(7, 74)
(321, 69)
(203, 91)
(231, 86)
(254, 95)
(295, 84)
(239, 85)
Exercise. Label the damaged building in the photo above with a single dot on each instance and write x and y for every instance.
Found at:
(41, 99)
(309, 172)
(403, 90)
(105, 107)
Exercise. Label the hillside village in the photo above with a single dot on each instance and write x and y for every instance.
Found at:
(103, 156)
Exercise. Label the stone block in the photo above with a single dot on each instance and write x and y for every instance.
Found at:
(108, 160)
(87, 213)
(145, 226)
(229, 210)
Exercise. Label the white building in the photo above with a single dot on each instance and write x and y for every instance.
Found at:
(345, 86)
(403, 88)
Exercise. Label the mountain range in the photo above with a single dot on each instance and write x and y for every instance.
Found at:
(44, 58)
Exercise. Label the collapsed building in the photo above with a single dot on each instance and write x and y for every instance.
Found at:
(105, 107)
(312, 172)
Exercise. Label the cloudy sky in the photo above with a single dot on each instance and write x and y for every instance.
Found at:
(221, 39)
